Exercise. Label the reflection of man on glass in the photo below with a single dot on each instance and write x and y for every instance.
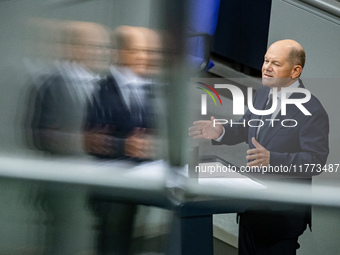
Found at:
(62, 97)
(119, 126)
(119, 120)
(276, 230)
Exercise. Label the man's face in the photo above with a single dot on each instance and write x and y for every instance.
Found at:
(276, 69)
(92, 49)
(134, 55)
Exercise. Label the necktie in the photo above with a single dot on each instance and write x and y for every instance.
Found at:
(135, 105)
(263, 130)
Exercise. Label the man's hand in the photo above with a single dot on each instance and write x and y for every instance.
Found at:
(97, 141)
(140, 145)
(259, 155)
(205, 129)
(98, 144)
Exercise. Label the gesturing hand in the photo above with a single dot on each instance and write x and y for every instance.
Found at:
(205, 129)
(259, 155)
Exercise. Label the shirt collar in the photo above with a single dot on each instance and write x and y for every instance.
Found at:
(84, 73)
(125, 76)
(295, 84)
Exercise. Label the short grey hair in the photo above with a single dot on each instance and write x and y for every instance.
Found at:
(297, 56)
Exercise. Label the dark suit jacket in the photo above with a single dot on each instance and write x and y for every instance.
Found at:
(58, 117)
(108, 114)
(306, 143)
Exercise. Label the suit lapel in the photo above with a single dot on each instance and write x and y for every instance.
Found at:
(292, 110)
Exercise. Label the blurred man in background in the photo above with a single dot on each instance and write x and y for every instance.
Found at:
(62, 98)
(120, 125)
(56, 124)
(120, 121)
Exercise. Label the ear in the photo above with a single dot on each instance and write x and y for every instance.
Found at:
(296, 71)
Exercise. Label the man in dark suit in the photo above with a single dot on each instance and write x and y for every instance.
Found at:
(57, 127)
(276, 230)
(119, 120)
(119, 125)
(63, 95)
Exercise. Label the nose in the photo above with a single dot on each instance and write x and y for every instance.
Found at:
(143, 54)
(267, 66)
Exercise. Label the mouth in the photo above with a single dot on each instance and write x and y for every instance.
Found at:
(267, 76)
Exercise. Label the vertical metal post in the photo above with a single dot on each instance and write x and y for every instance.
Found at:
(177, 77)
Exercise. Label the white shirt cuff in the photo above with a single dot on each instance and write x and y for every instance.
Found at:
(221, 136)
